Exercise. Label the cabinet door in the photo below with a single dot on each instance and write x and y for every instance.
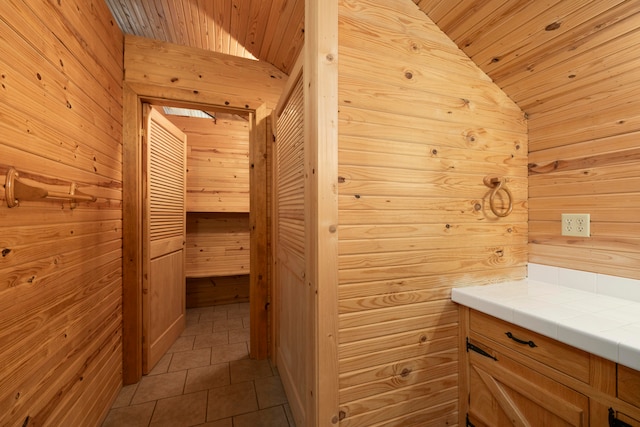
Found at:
(503, 392)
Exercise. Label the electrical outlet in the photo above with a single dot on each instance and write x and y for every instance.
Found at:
(576, 225)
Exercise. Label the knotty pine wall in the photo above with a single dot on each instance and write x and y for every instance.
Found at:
(217, 162)
(61, 268)
(420, 126)
(585, 158)
(172, 72)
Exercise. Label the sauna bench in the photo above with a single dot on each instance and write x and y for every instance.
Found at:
(606, 326)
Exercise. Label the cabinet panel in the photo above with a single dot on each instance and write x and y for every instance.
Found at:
(620, 418)
(629, 385)
(506, 393)
(562, 357)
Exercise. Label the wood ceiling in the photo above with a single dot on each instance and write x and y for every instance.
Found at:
(269, 30)
(543, 54)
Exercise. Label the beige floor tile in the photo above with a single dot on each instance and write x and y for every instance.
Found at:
(124, 396)
(200, 310)
(162, 367)
(211, 340)
(249, 370)
(207, 377)
(190, 359)
(270, 392)
(182, 344)
(239, 335)
(231, 400)
(226, 307)
(192, 317)
(272, 417)
(237, 313)
(159, 386)
(130, 416)
(227, 324)
(213, 316)
(229, 352)
(181, 411)
(198, 329)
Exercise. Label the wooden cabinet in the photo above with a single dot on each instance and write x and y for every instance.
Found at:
(504, 391)
(515, 377)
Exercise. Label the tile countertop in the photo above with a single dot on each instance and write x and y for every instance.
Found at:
(603, 325)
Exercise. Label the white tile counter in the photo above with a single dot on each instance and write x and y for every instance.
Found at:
(597, 322)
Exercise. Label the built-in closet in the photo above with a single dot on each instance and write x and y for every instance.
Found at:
(217, 203)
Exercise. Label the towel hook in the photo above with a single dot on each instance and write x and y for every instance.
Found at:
(497, 183)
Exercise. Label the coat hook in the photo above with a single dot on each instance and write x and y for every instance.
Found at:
(498, 183)
(16, 190)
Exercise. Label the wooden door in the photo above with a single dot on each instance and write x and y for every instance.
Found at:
(502, 393)
(293, 297)
(164, 234)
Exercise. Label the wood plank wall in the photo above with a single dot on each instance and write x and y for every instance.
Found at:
(168, 71)
(420, 126)
(217, 162)
(585, 157)
(61, 268)
(217, 244)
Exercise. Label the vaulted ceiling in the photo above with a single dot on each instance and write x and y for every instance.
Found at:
(269, 30)
(543, 53)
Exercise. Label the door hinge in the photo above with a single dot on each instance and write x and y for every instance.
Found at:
(614, 422)
(469, 423)
(479, 350)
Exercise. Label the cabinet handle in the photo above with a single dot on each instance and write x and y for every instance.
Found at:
(529, 343)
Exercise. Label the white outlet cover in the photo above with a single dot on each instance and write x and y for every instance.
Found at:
(578, 225)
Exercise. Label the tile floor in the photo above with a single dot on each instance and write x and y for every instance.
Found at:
(206, 379)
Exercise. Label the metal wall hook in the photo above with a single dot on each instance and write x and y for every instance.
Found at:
(498, 183)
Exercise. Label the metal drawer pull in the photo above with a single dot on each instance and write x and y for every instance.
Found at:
(529, 343)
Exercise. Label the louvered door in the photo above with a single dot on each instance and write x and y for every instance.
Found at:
(163, 299)
(293, 296)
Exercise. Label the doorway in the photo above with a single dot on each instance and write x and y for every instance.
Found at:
(132, 239)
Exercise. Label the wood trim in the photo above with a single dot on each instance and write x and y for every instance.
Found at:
(258, 234)
(296, 73)
(131, 238)
(463, 365)
(321, 202)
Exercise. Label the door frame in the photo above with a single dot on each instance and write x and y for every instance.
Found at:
(132, 241)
